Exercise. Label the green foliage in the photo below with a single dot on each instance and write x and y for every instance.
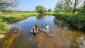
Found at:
(40, 9)
(1, 20)
(81, 10)
(63, 5)
(10, 36)
(76, 20)
(14, 17)
(67, 5)
(49, 10)
(3, 28)
(7, 4)
(58, 7)
(10, 19)
(49, 13)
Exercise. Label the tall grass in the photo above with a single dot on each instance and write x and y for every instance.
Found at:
(13, 17)
(75, 20)
(3, 27)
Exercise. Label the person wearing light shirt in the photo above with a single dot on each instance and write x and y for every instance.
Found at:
(46, 28)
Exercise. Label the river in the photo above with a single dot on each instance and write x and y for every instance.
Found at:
(59, 36)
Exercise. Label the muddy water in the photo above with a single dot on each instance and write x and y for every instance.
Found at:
(59, 36)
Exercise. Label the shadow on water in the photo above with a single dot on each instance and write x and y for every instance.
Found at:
(59, 36)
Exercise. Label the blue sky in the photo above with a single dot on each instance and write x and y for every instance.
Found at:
(29, 5)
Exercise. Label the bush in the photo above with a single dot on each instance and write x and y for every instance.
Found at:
(76, 20)
(3, 28)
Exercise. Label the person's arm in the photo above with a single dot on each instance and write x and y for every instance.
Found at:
(46, 27)
(34, 27)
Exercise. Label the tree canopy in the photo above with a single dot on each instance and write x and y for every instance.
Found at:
(40, 9)
(58, 7)
(49, 10)
(68, 5)
(7, 4)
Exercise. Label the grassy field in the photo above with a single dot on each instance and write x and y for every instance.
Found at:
(13, 17)
(76, 20)
(7, 14)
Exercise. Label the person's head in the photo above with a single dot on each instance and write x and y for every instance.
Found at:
(37, 24)
(46, 24)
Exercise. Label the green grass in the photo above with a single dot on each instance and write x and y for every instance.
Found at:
(76, 20)
(13, 34)
(16, 14)
(49, 13)
(13, 17)
(3, 28)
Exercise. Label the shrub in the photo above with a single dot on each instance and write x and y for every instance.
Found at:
(3, 28)
(76, 20)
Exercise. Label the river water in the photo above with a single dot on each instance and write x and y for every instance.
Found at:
(59, 36)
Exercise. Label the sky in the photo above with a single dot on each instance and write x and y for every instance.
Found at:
(29, 5)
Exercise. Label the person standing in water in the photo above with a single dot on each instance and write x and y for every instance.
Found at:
(36, 28)
(46, 28)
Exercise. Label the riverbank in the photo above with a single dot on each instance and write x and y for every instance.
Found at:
(49, 13)
(75, 20)
(8, 39)
(3, 27)
(2, 36)
(14, 17)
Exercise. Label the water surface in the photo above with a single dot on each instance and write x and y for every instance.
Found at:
(59, 36)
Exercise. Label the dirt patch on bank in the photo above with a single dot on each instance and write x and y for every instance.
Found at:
(2, 36)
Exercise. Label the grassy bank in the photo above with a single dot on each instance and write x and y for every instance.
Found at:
(9, 38)
(3, 27)
(13, 17)
(49, 13)
(75, 20)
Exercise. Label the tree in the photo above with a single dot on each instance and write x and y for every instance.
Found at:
(75, 4)
(49, 10)
(84, 5)
(63, 5)
(58, 7)
(7, 4)
(40, 9)
(67, 5)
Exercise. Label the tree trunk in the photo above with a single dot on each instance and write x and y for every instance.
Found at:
(84, 6)
(74, 7)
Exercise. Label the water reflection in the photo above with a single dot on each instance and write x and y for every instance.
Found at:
(60, 35)
(40, 16)
(27, 24)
